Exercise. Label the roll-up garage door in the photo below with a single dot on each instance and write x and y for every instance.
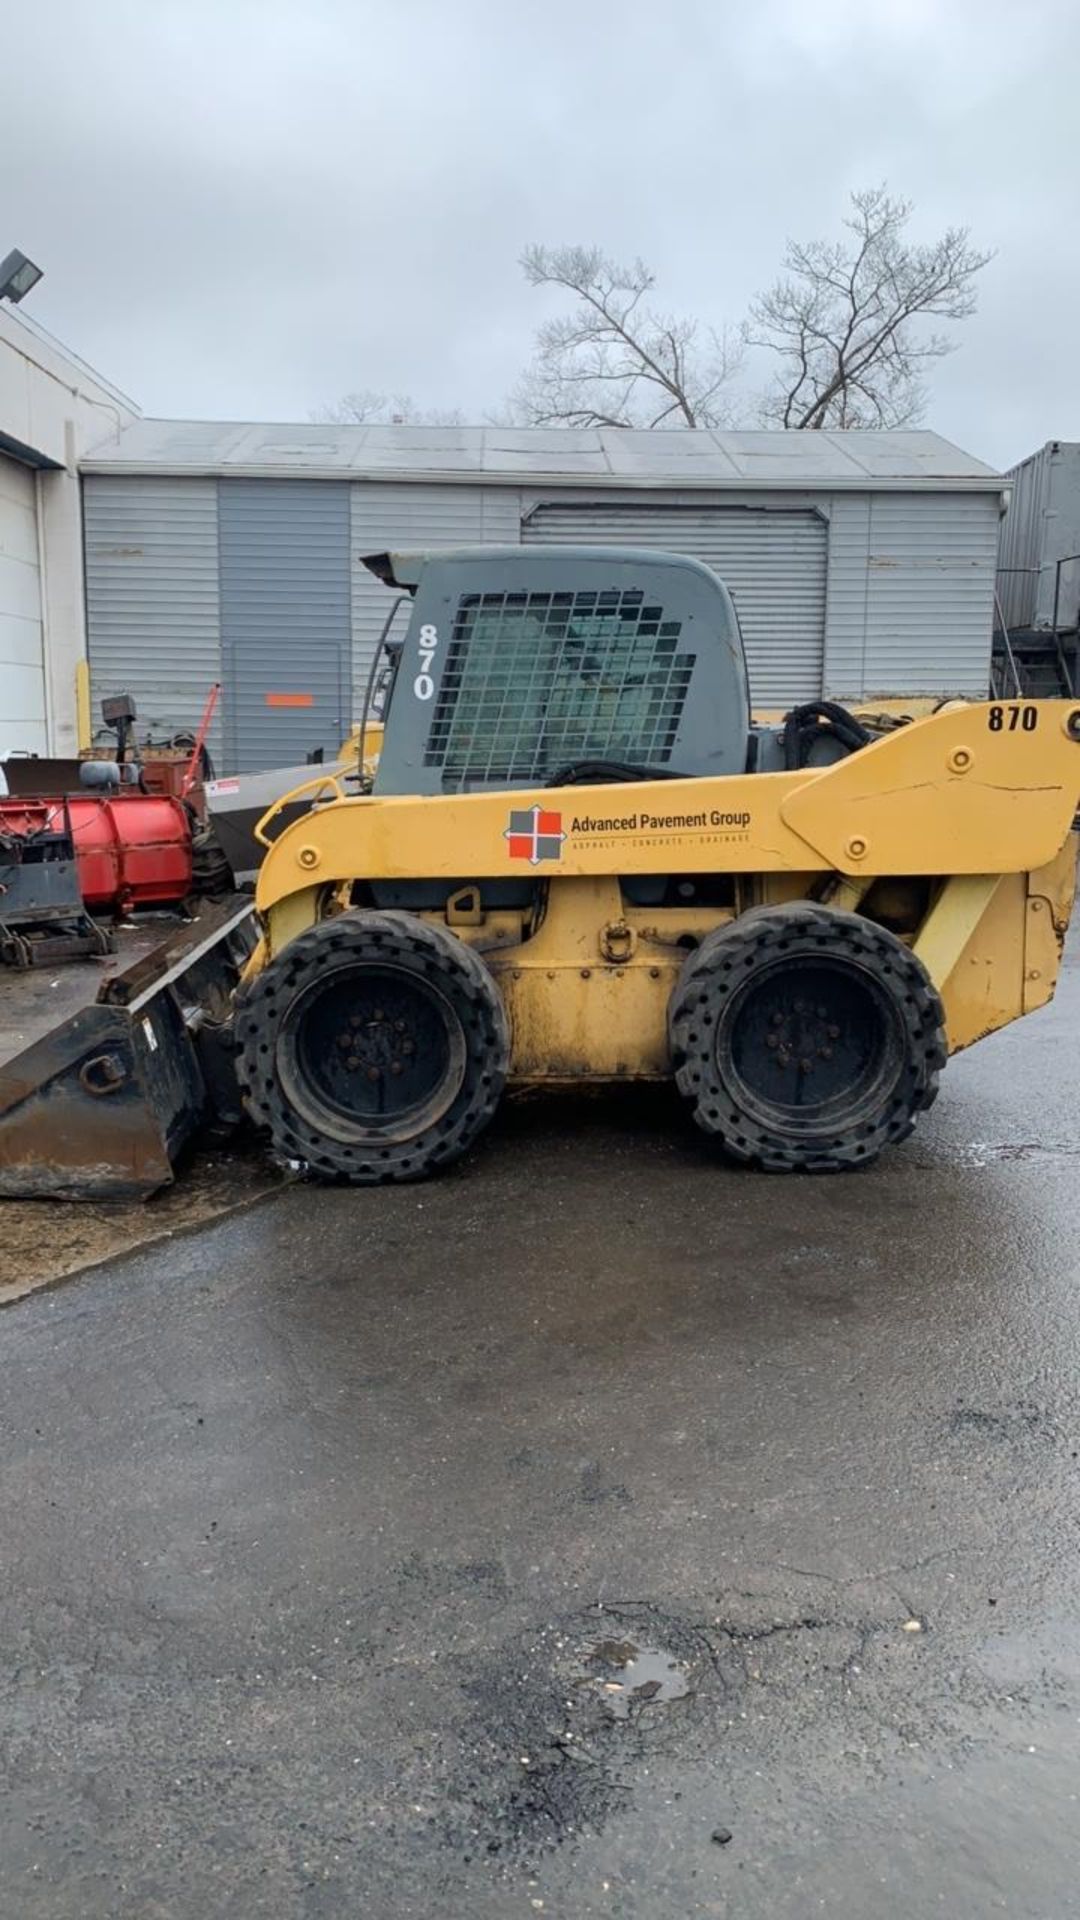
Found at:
(772, 560)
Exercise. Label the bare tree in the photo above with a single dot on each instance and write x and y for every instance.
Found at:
(366, 408)
(615, 360)
(845, 318)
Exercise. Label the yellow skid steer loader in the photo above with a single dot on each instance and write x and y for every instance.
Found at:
(578, 861)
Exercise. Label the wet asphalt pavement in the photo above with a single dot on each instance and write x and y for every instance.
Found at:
(597, 1531)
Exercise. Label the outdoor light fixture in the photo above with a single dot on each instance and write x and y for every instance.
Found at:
(17, 276)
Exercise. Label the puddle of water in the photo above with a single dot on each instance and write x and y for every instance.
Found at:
(983, 1153)
(634, 1676)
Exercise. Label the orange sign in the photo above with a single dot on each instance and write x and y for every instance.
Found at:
(290, 699)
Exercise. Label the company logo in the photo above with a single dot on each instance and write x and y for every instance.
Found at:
(534, 834)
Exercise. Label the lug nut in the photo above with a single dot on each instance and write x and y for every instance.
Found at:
(373, 1073)
(833, 1033)
(824, 1053)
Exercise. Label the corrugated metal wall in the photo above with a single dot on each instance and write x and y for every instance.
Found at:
(391, 518)
(845, 603)
(773, 561)
(873, 593)
(1021, 541)
(1040, 528)
(152, 596)
(280, 571)
(929, 593)
(285, 620)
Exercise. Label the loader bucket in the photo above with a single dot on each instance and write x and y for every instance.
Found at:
(107, 1072)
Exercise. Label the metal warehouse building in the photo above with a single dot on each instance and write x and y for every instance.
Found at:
(862, 564)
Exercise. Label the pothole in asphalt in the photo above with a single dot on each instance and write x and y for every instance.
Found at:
(561, 1718)
(632, 1676)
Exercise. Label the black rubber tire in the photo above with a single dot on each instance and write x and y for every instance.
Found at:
(291, 1085)
(211, 874)
(733, 1021)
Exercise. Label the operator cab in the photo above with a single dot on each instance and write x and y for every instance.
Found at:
(525, 667)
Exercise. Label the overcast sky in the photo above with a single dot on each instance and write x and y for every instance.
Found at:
(245, 208)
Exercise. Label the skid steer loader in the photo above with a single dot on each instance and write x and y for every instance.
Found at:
(578, 861)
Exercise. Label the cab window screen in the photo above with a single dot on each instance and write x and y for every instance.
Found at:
(536, 681)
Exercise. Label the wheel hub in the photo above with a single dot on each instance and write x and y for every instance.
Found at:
(806, 1034)
(378, 1046)
(801, 1036)
(373, 1049)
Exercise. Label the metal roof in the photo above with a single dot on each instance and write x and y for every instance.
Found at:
(564, 456)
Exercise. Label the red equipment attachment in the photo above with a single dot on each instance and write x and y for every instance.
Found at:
(131, 849)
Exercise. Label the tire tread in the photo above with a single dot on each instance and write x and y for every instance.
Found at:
(761, 934)
(381, 936)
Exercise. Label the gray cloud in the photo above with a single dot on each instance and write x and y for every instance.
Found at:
(246, 208)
